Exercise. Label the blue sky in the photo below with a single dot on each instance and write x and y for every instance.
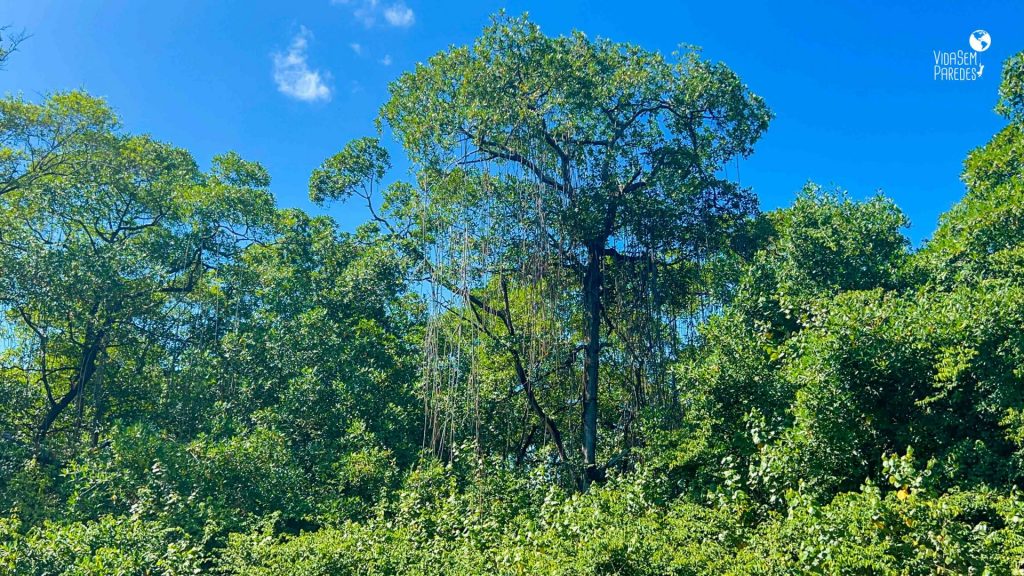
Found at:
(288, 83)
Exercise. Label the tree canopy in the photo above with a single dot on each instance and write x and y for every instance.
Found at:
(562, 162)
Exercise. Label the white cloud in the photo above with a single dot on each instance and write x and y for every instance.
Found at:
(386, 60)
(292, 73)
(400, 15)
(356, 47)
(368, 12)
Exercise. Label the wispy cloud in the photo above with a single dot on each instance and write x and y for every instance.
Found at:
(356, 47)
(293, 76)
(400, 15)
(369, 12)
(366, 12)
(386, 60)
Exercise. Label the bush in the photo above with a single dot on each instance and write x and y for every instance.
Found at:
(111, 545)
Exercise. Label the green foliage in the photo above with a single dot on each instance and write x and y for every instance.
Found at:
(108, 545)
(41, 140)
(981, 236)
(362, 161)
(615, 529)
(824, 244)
(194, 381)
(642, 135)
(103, 236)
(1011, 90)
(557, 178)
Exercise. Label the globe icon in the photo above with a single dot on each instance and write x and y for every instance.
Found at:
(980, 40)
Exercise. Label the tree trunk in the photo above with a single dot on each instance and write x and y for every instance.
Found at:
(82, 377)
(52, 413)
(592, 286)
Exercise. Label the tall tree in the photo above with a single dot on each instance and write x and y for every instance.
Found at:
(98, 247)
(588, 154)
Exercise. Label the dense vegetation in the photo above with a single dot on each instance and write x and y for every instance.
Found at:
(569, 345)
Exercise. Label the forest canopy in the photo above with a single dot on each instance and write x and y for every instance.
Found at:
(567, 343)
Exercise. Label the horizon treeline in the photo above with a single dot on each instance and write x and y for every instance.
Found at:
(568, 343)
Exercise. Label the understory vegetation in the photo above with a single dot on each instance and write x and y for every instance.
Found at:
(569, 343)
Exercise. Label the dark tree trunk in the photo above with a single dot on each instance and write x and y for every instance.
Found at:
(592, 286)
(82, 377)
(52, 413)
